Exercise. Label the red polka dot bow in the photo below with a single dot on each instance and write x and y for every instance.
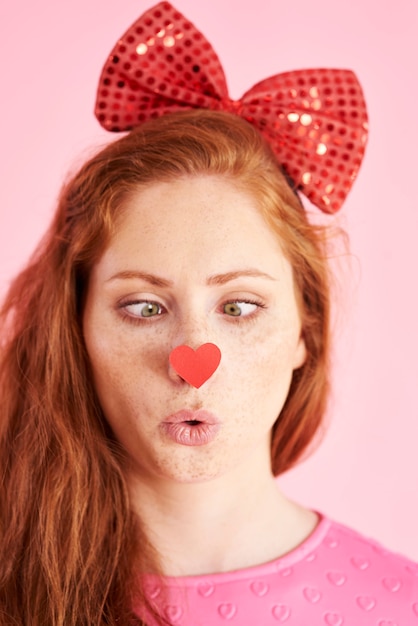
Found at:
(315, 120)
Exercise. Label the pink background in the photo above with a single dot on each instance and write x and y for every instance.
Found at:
(365, 472)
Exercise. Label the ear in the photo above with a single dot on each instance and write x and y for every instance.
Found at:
(300, 354)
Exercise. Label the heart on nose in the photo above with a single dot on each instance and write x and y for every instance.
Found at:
(195, 366)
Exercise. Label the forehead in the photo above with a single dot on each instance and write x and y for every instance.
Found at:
(201, 216)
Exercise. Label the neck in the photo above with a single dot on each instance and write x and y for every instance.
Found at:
(235, 521)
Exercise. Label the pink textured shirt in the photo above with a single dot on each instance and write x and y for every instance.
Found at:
(334, 578)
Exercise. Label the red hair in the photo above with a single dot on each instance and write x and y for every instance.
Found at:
(72, 550)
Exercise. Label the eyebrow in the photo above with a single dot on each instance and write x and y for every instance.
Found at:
(221, 279)
(215, 279)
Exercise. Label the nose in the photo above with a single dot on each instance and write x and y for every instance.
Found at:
(195, 367)
(194, 357)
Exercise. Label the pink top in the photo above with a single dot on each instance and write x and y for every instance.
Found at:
(334, 578)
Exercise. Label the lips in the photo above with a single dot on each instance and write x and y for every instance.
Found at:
(191, 428)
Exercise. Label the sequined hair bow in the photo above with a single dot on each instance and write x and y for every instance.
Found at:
(315, 120)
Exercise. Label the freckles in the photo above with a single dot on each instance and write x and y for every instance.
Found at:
(187, 467)
(267, 352)
(133, 355)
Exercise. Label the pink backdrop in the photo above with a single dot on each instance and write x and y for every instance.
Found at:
(365, 472)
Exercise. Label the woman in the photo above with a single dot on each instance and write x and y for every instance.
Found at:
(166, 355)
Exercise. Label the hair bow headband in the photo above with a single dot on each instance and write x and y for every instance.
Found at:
(315, 120)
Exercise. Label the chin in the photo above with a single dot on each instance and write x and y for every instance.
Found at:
(189, 471)
(191, 476)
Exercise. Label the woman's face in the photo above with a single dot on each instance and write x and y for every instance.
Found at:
(192, 262)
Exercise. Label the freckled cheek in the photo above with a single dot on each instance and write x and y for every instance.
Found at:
(128, 354)
(256, 379)
(263, 367)
(262, 354)
(112, 364)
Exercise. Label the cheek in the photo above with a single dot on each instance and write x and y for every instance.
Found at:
(111, 363)
(260, 365)
(120, 353)
(120, 368)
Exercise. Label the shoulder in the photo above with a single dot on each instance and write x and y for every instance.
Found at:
(360, 574)
(363, 554)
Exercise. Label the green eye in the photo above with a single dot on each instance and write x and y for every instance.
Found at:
(240, 308)
(149, 309)
(143, 308)
(232, 308)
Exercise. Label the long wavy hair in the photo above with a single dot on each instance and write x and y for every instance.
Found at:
(72, 552)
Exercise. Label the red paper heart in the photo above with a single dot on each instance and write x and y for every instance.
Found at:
(195, 366)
